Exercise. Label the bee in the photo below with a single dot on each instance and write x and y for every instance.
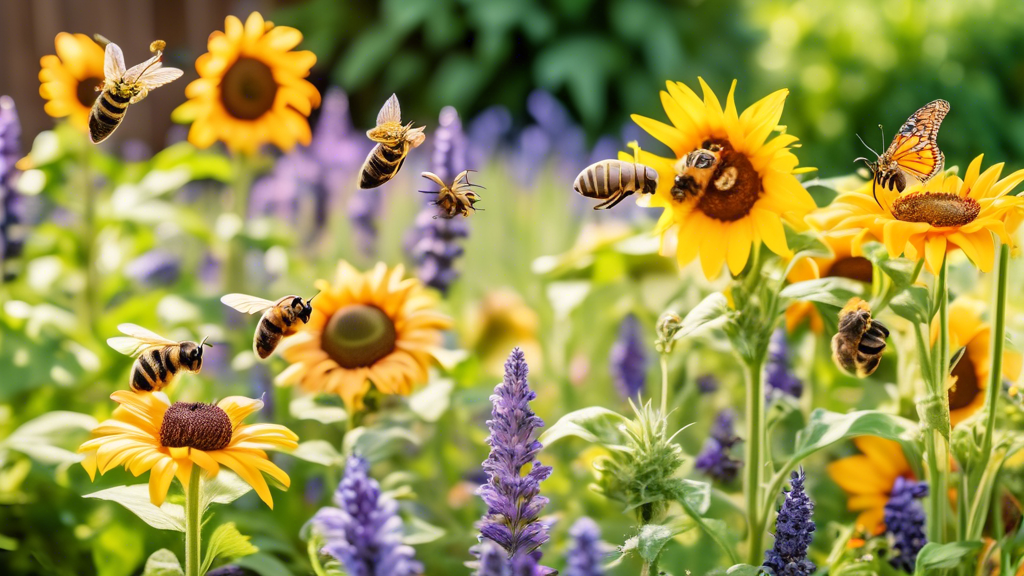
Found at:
(393, 144)
(614, 180)
(694, 172)
(455, 199)
(121, 87)
(157, 359)
(280, 319)
(858, 344)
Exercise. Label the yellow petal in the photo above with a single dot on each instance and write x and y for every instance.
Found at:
(935, 252)
(664, 133)
(716, 117)
(712, 249)
(770, 230)
(740, 238)
(160, 480)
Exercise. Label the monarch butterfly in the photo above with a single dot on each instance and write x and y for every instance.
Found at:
(913, 151)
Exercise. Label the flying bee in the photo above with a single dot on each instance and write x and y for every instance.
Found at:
(614, 180)
(157, 359)
(123, 87)
(393, 144)
(858, 344)
(456, 199)
(694, 172)
(280, 319)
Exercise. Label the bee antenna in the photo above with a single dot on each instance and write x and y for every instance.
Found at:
(205, 343)
(310, 301)
(866, 145)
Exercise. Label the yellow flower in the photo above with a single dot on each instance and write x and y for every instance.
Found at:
(939, 217)
(149, 434)
(867, 479)
(365, 328)
(69, 79)
(750, 192)
(970, 376)
(846, 261)
(498, 324)
(251, 88)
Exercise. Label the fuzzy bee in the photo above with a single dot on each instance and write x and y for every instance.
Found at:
(123, 87)
(393, 144)
(280, 319)
(614, 180)
(157, 359)
(858, 344)
(456, 199)
(695, 170)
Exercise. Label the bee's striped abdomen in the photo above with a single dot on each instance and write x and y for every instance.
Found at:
(269, 333)
(106, 115)
(382, 164)
(610, 180)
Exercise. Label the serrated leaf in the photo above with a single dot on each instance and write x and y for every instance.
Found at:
(163, 562)
(934, 557)
(914, 304)
(712, 308)
(826, 428)
(227, 542)
(833, 291)
(319, 452)
(594, 424)
(136, 499)
(421, 532)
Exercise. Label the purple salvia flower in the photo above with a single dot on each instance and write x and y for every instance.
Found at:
(707, 384)
(715, 459)
(449, 155)
(154, 268)
(778, 376)
(794, 530)
(11, 207)
(629, 358)
(584, 558)
(905, 522)
(228, 570)
(512, 498)
(364, 532)
(491, 559)
(486, 133)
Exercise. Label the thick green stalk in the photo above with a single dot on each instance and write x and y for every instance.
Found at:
(996, 343)
(193, 524)
(936, 439)
(754, 463)
(664, 384)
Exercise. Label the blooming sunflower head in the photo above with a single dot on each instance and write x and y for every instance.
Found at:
(251, 88)
(746, 192)
(70, 78)
(868, 479)
(149, 434)
(928, 221)
(366, 328)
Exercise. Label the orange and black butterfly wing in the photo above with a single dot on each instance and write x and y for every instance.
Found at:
(914, 149)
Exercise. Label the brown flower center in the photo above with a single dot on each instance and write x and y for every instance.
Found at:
(733, 188)
(86, 91)
(966, 388)
(248, 89)
(938, 209)
(358, 335)
(195, 425)
(852, 267)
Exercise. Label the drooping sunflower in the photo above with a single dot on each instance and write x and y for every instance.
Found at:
(149, 434)
(868, 478)
(970, 375)
(69, 79)
(751, 190)
(846, 261)
(251, 88)
(929, 221)
(373, 327)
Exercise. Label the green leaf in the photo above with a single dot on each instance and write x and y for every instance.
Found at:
(307, 408)
(227, 542)
(652, 538)
(264, 565)
(118, 550)
(826, 428)
(594, 424)
(319, 452)
(225, 488)
(696, 502)
(136, 499)
(914, 304)
(713, 307)
(696, 496)
(935, 557)
(421, 532)
(899, 270)
(431, 402)
(743, 570)
(163, 562)
(833, 291)
(377, 443)
(38, 438)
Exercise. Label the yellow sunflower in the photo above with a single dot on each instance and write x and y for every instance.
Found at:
(941, 216)
(69, 79)
(750, 191)
(868, 477)
(846, 261)
(970, 376)
(499, 323)
(373, 327)
(149, 434)
(251, 88)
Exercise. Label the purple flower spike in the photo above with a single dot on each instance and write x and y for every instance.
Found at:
(794, 530)
(584, 558)
(905, 522)
(364, 532)
(779, 378)
(715, 459)
(11, 209)
(629, 358)
(512, 498)
(707, 384)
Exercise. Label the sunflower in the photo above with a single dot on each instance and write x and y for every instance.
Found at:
(148, 433)
(970, 375)
(867, 479)
(501, 322)
(750, 191)
(69, 79)
(251, 88)
(846, 261)
(936, 218)
(365, 328)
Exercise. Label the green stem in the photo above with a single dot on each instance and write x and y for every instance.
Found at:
(935, 439)
(754, 463)
(314, 557)
(664, 384)
(996, 343)
(193, 524)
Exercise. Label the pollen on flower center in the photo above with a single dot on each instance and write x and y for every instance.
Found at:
(734, 187)
(248, 89)
(938, 209)
(966, 388)
(358, 335)
(86, 91)
(195, 425)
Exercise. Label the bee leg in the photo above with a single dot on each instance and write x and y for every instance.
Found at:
(618, 198)
(610, 202)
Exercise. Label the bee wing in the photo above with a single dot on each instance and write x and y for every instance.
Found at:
(137, 340)
(151, 65)
(247, 304)
(159, 76)
(113, 62)
(390, 112)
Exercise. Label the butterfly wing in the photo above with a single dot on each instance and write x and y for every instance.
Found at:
(137, 340)
(247, 304)
(914, 149)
